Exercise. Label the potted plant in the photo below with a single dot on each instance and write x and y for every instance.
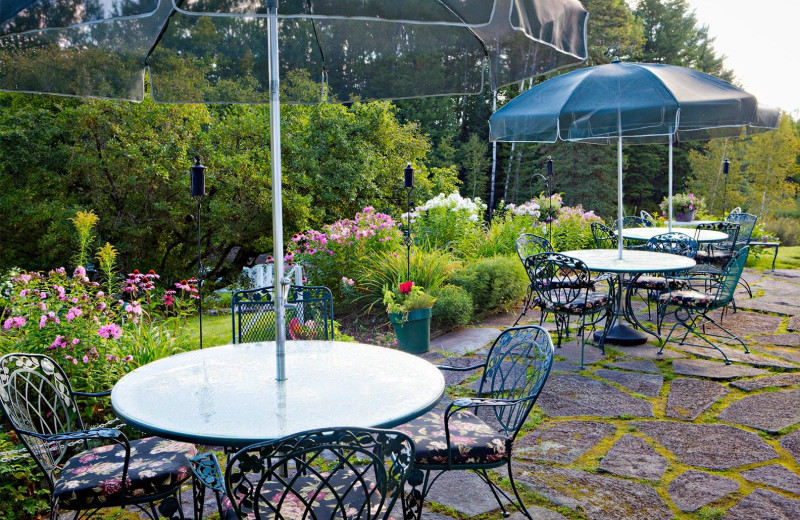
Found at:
(409, 308)
(684, 206)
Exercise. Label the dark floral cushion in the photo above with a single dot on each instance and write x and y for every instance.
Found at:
(93, 478)
(688, 299)
(715, 255)
(659, 283)
(342, 496)
(471, 439)
(577, 306)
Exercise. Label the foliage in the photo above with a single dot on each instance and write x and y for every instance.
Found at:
(429, 269)
(572, 229)
(341, 250)
(21, 498)
(449, 222)
(107, 260)
(84, 222)
(495, 283)
(94, 336)
(453, 307)
(683, 205)
(786, 229)
(406, 297)
(508, 223)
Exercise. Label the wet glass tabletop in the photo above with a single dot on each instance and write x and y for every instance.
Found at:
(633, 261)
(228, 395)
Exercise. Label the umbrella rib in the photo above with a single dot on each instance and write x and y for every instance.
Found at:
(163, 30)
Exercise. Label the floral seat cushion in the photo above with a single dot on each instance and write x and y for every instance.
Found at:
(471, 439)
(577, 306)
(659, 283)
(93, 478)
(688, 298)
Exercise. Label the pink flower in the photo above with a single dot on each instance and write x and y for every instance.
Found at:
(73, 313)
(112, 330)
(134, 308)
(405, 287)
(16, 322)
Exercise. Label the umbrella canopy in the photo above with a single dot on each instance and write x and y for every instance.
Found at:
(227, 51)
(629, 102)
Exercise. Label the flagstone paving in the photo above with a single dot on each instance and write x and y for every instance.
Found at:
(641, 435)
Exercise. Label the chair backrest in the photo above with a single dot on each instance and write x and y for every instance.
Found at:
(633, 222)
(730, 276)
(558, 279)
(345, 473)
(648, 218)
(735, 210)
(517, 367)
(729, 228)
(604, 237)
(675, 243)
(529, 244)
(309, 314)
(37, 398)
(746, 223)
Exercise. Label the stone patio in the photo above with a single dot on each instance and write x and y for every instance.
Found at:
(638, 435)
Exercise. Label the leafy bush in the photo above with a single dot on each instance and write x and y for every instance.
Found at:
(453, 307)
(573, 229)
(341, 249)
(787, 229)
(20, 496)
(508, 223)
(496, 283)
(452, 223)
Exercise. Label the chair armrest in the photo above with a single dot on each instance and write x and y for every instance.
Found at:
(92, 394)
(207, 472)
(476, 402)
(80, 435)
(460, 369)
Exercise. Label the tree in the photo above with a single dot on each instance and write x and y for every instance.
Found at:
(476, 165)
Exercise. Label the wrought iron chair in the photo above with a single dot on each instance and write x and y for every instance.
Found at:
(529, 244)
(564, 287)
(747, 223)
(514, 373)
(604, 237)
(735, 210)
(346, 473)
(653, 284)
(634, 222)
(42, 407)
(692, 306)
(648, 218)
(309, 314)
(711, 257)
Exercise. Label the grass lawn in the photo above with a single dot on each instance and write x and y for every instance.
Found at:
(788, 258)
(216, 329)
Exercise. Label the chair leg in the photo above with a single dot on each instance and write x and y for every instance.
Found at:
(526, 304)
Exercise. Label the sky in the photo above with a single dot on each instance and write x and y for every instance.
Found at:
(760, 40)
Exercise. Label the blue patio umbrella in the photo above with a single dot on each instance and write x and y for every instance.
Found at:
(630, 103)
(227, 51)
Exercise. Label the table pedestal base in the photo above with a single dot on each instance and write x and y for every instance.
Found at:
(621, 334)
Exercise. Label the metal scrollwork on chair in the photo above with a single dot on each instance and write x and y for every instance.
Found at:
(528, 244)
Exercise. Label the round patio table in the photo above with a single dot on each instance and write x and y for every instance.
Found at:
(228, 395)
(646, 233)
(633, 262)
(692, 223)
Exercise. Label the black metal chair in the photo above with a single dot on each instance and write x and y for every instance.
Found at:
(713, 256)
(634, 222)
(42, 407)
(648, 218)
(529, 244)
(653, 284)
(565, 288)
(604, 237)
(309, 314)
(514, 373)
(692, 306)
(346, 473)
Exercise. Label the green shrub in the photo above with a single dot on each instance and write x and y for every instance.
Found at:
(453, 307)
(20, 496)
(573, 229)
(786, 229)
(496, 283)
(452, 223)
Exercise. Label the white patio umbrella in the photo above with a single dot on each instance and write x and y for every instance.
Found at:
(227, 51)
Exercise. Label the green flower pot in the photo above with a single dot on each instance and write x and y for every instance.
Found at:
(414, 333)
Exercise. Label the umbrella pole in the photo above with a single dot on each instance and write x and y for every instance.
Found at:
(277, 201)
(669, 188)
(619, 186)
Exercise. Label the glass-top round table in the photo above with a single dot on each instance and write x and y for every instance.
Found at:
(634, 261)
(691, 223)
(646, 233)
(228, 395)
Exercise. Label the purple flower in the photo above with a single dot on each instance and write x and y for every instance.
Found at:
(112, 330)
(73, 313)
